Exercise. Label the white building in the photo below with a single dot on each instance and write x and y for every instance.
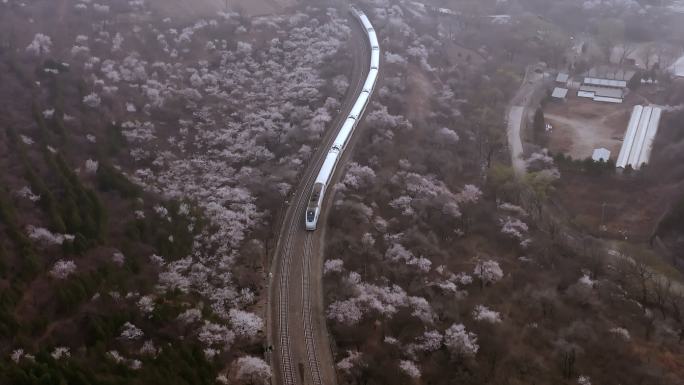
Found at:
(562, 78)
(605, 84)
(677, 67)
(559, 93)
(600, 154)
(601, 94)
(638, 142)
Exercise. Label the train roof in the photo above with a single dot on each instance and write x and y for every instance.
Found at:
(344, 133)
(359, 105)
(328, 167)
(370, 80)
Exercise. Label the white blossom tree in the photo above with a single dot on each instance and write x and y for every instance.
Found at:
(333, 265)
(245, 323)
(409, 368)
(60, 352)
(252, 370)
(460, 342)
(92, 100)
(40, 45)
(91, 166)
(488, 272)
(352, 359)
(63, 269)
(131, 332)
(483, 313)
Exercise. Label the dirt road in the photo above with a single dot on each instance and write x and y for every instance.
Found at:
(517, 116)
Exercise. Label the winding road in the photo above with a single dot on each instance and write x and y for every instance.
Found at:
(301, 351)
(517, 115)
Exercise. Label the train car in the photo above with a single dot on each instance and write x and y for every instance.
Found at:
(315, 203)
(375, 60)
(373, 40)
(364, 21)
(369, 85)
(313, 208)
(359, 106)
(345, 133)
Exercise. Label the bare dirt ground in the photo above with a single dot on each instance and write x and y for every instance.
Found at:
(198, 8)
(627, 207)
(458, 54)
(581, 125)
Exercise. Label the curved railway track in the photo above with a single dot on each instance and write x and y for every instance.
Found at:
(296, 324)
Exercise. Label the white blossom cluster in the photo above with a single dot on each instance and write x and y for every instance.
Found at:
(396, 252)
(215, 335)
(146, 304)
(47, 237)
(18, 354)
(483, 313)
(513, 227)
(430, 341)
(586, 281)
(621, 332)
(245, 323)
(514, 209)
(452, 283)
(409, 368)
(352, 359)
(63, 269)
(92, 100)
(385, 300)
(131, 332)
(459, 341)
(427, 191)
(60, 352)
(27, 140)
(358, 177)
(488, 271)
(115, 356)
(40, 45)
(333, 265)
(253, 370)
(91, 166)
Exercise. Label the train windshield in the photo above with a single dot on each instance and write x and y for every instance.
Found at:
(310, 215)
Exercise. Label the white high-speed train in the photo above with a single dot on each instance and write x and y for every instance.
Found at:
(313, 209)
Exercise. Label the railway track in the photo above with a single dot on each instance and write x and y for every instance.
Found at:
(312, 358)
(291, 332)
(283, 300)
